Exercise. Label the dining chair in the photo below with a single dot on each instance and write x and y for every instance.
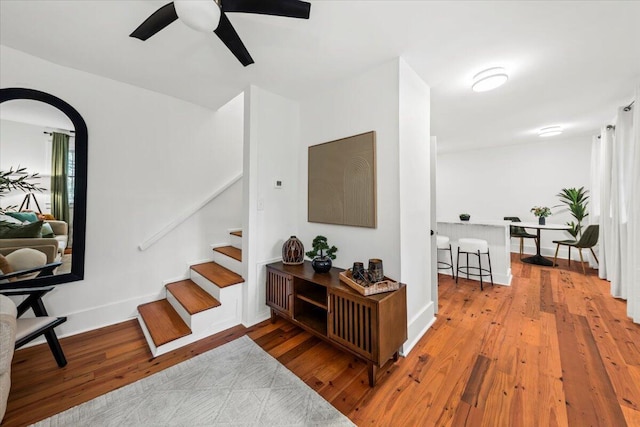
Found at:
(30, 328)
(520, 232)
(587, 241)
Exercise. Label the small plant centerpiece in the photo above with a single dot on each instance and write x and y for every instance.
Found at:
(465, 217)
(576, 200)
(541, 212)
(321, 254)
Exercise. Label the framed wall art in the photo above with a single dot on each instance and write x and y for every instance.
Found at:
(342, 181)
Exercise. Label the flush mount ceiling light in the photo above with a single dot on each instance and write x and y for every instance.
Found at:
(550, 131)
(489, 79)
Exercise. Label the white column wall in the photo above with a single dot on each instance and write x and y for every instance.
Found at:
(415, 200)
(271, 150)
(374, 100)
(150, 157)
(491, 183)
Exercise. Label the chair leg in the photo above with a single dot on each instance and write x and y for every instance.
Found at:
(490, 270)
(458, 264)
(451, 256)
(594, 255)
(479, 270)
(521, 246)
(467, 265)
(54, 345)
(582, 261)
(555, 257)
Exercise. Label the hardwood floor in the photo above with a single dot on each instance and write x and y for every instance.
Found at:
(553, 349)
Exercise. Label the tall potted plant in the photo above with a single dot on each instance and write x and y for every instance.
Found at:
(18, 179)
(576, 200)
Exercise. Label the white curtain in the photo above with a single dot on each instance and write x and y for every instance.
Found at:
(616, 171)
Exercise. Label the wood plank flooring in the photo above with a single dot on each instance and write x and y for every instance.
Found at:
(554, 349)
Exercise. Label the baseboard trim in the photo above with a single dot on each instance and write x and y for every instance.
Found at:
(418, 326)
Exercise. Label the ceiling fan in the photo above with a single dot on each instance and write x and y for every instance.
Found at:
(210, 15)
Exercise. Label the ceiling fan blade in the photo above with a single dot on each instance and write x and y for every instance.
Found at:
(289, 8)
(230, 38)
(156, 22)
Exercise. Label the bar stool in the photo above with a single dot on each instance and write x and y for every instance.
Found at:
(475, 247)
(442, 244)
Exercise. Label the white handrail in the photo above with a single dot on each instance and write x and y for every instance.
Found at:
(187, 213)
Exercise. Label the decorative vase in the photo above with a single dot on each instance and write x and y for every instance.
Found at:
(321, 264)
(292, 251)
(541, 220)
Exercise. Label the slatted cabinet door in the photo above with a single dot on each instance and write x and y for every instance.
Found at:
(352, 323)
(280, 291)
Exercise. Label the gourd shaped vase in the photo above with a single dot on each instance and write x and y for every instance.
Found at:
(292, 251)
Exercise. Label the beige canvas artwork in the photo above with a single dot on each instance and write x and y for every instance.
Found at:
(342, 181)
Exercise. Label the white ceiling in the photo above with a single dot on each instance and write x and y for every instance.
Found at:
(570, 63)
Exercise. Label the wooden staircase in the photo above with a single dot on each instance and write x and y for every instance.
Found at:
(207, 302)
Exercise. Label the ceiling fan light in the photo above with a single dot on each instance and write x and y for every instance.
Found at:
(489, 79)
(550, 131)
(201, 15)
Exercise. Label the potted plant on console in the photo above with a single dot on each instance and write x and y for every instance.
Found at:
(321, 254)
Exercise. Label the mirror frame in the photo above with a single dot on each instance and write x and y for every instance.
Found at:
(80, 193)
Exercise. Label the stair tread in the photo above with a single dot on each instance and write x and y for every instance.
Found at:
(217, 274)
(230, 251)
(163, 322)
(192, 297)
(236, 233)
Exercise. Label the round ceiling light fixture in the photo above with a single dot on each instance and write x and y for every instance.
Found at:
(550, 131)
(489, 79)
(200, 15)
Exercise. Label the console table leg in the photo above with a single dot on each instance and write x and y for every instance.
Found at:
(372, 374)
(396, 356)
(273, 316)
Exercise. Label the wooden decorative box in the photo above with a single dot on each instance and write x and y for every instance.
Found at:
(386, 285)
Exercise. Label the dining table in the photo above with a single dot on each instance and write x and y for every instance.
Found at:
(538, 259)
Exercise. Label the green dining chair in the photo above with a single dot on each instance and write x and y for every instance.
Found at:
(520, 232)
(588, 240)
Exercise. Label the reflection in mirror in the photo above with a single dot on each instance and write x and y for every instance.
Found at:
(43, 159)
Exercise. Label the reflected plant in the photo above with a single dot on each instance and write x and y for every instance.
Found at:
(18, 179)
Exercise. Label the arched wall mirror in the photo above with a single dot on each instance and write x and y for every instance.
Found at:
(35, 125)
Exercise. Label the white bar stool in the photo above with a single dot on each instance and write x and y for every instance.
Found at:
(443, 244)
(475, 247)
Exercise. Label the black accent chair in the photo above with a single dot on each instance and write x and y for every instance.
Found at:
(520, 232)
(29, 329)
(587, 241)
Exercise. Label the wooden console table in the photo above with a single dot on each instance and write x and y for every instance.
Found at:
(372, 328)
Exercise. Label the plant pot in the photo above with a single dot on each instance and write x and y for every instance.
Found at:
(464, 217)
(321, 264)
(542, 220)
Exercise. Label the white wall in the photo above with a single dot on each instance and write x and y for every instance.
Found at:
(150, 156)
(492, 183)
(415, 211)
(373, 101)
(271, 151)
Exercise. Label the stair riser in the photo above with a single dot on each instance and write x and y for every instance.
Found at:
(219, 326)
(235, 241)
(228, 262)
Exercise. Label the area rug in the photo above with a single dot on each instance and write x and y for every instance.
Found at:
(237, 384)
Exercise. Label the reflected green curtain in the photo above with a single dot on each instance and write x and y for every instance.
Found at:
(59, 192)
